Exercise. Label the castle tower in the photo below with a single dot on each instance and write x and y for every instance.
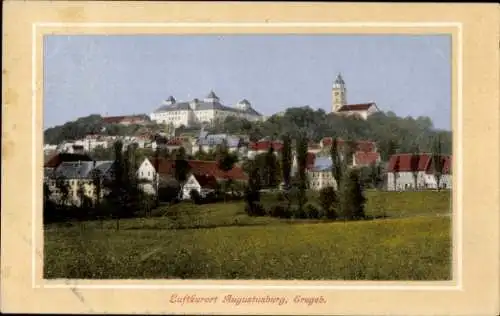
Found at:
(339, 93)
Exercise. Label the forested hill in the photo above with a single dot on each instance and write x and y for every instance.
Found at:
(386, 129)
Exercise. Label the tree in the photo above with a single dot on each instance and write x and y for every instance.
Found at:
(301, 170)
(349, 151)
(62, 187)
(156, 177)
(329, 202)
(437, 161)
(225, 162)
(286, 160)
(337, 162)
(414, 165)
(272, 169)
(375, 175)
(181, 168)
(252, 192)
(352, 199)
(395, 172)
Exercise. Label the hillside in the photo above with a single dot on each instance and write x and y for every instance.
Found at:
(388, 130)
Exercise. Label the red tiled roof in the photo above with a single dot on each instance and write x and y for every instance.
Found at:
(362, 145)
(200, 167)
(206, 181)
(402, 163)
(366, 158)
(174, 142)
(265, 145)
(57, 159)
(356, 107)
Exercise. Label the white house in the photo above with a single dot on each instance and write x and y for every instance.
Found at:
(208, 110)
(146, 174)
(400, 172)
(203, 184)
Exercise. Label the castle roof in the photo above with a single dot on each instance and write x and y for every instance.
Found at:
(204, 105)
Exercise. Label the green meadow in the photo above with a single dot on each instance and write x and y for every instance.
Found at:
(219, 241)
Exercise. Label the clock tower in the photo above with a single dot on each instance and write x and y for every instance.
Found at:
(339, 92)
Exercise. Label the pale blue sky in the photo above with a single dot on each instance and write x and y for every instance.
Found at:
(116, 75)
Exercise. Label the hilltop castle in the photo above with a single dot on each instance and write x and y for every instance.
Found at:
(339, 102)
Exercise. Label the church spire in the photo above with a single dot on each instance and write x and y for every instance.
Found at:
(339, 93)
(339, 79)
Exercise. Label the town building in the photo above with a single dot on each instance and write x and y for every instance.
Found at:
(203, 184)
(152, 169)
(401, 172)
(320, 174)
(77, 178)
(263, 146)
(207, 111)
(209, 142)
(340, 105)
(57, 159)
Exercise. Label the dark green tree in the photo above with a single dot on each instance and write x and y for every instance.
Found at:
(437, 161)
(252, 192)
(338, 165)
(352, 199)
(181, 168)
(414, 165)
(375, 175)
(286, 160)
(329, 202)
(225, 163)
(301, 171)
(272, 168)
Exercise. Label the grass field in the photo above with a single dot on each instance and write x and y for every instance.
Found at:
(219, 241)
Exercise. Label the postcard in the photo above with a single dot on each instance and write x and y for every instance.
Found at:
(250, 158)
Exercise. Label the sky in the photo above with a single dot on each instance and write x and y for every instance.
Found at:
(132, 74)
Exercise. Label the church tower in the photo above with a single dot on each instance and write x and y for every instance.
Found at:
(339, 93)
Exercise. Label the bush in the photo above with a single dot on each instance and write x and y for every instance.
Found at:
(328, 200)
(298, 213)
(255, 209)
(279, 210)
(312, 211)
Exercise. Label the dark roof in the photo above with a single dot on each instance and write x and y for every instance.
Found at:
(206, 181)
(356, 107)
(57, 159)
(212, 95)
(339, 79)
(201, 105)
